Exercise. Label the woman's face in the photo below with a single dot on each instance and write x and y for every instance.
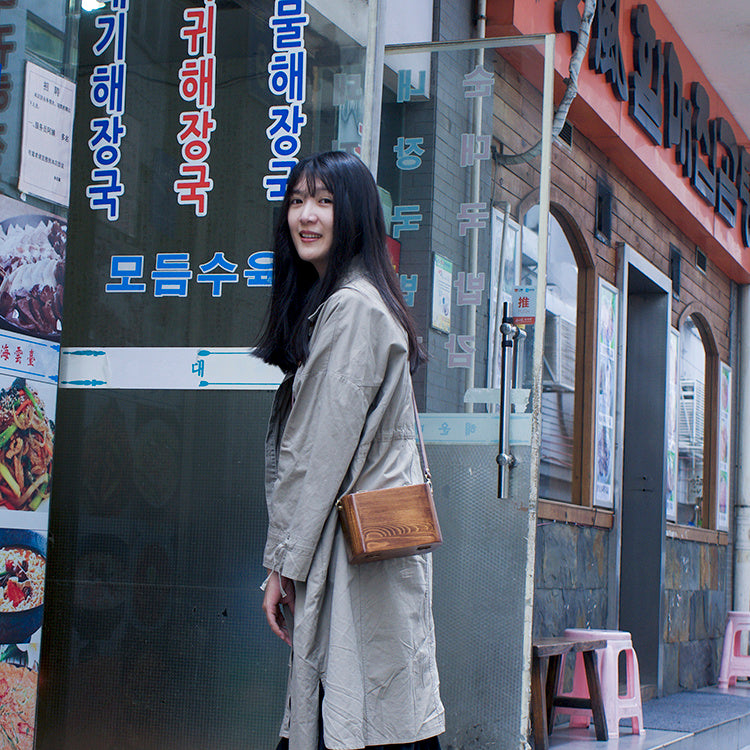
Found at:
(310, 220)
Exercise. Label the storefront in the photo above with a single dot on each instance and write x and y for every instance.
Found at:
(650, 204)
(597, 366)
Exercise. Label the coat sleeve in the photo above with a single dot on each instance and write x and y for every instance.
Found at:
(353, 342)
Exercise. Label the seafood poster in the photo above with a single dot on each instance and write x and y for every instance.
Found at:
(32, 270)
(606, 381)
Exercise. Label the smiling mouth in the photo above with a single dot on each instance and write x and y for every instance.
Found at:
(309, 235)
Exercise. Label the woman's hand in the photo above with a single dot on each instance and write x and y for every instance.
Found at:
(272, 601)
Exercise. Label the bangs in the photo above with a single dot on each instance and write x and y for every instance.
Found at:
(312, 172)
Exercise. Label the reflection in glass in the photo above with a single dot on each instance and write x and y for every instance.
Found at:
(558, 374)
(692, 369)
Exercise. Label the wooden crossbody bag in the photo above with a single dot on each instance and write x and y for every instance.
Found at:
(395, 522)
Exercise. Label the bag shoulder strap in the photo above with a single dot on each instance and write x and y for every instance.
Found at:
(422, 451)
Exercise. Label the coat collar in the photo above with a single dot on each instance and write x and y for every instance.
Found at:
(355, 271)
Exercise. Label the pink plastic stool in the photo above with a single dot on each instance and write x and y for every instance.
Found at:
(733, 663)
(616, 706)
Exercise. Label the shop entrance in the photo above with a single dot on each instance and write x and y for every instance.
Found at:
(646, 311)
(466, 272)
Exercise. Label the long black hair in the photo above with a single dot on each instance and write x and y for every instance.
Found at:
(358, 232)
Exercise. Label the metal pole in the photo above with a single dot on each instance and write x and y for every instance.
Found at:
(371, 105)
(742, 508)
(536, 421)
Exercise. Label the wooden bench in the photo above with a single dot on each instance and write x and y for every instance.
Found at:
(547, 655)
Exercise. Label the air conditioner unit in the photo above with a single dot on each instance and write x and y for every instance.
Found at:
(559, 353)
(690, 435)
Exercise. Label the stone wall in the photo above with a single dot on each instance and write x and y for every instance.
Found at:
(571, 578)
(695, 608)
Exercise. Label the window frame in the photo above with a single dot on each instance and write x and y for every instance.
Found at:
(580, 509)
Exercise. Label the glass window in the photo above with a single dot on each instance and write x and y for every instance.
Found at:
(558, 374)
(691, 421)
(44, 42)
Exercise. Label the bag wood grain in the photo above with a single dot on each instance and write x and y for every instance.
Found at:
(395, 522)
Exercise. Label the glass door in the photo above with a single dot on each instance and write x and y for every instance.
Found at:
(454, 176)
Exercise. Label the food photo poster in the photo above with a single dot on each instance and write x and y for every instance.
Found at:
(32, 274)
(32, 270)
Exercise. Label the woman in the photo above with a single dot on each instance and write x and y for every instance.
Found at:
(363, 672)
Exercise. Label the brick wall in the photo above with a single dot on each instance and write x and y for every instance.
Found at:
(635, 220)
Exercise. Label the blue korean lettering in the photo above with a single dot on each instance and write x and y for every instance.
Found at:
(288, 31)
(405, 219)
(207, 275)
(107, 130)
(287, 75)
(408, 152)
(171, 274)
(106, 156)
(114, 30)
(275, 181)
(108, 87)
(289, 7)
(285, 146)
(286, 120)
(125, 268)
(405, 90)
(105, 193)
(260, 269)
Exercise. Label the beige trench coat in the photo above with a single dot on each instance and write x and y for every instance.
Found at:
(363, 633)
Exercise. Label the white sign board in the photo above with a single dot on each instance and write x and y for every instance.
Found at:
(47, 135)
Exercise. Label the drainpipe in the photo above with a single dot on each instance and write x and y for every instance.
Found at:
(742, 507)
(476, 194)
